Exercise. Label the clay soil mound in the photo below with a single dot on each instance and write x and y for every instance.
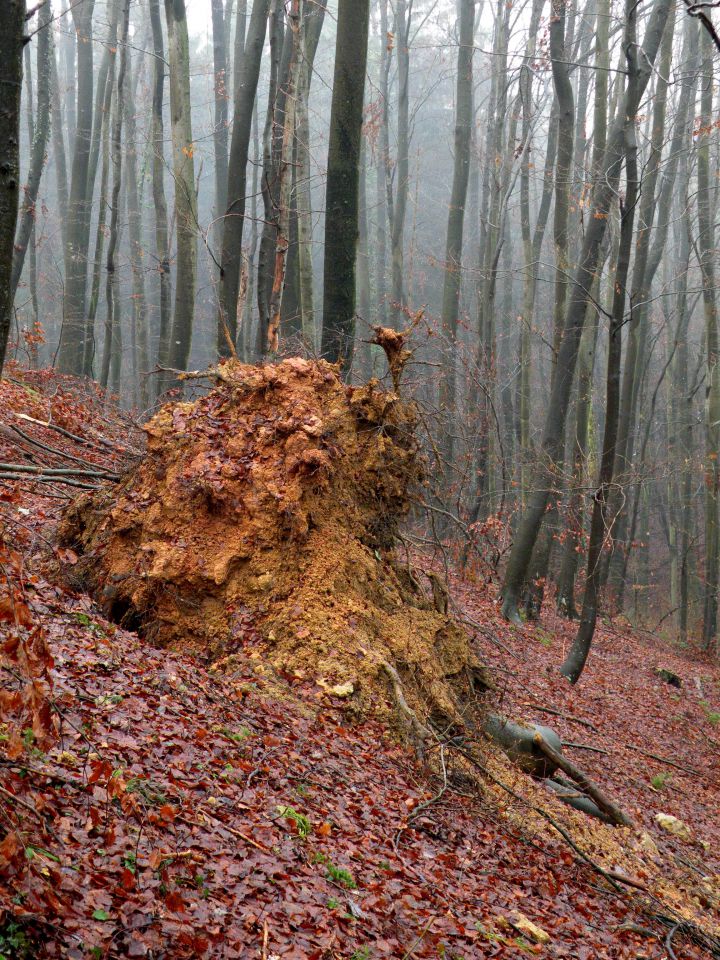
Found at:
(262, 524)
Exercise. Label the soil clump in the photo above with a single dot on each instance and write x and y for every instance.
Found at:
(261, 527)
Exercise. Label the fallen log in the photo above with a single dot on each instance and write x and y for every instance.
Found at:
(518, 741)
(610, 809)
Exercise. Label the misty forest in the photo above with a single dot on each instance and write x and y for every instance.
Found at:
(359, 480)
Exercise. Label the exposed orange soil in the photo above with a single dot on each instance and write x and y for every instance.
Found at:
(265, 513)
(156, 824)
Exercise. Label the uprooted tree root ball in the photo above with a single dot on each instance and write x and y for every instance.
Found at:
(263, 520)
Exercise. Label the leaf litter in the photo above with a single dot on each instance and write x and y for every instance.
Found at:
(157, 823)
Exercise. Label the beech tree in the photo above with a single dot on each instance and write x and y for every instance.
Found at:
(456, 213)
(605, 188)
(11, 52)
(343, 176)
(183, 163)
(531, 186)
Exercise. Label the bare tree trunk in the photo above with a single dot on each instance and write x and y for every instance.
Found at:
(456, 213)
(247, 279)
(11, 71)
(382, 160)
(529, 254)
(605, 188)
(158, 191)
(640, 295)
(75, 333)
(105, 115)
(313, 17)
(663, 218)
(220, 27)
(560, 46)
(707, 253)
(343, 175)
(403, 17)
(112, 347)
(184, 175)
(40, 138)
(270, 184)
(141, 350)
(282, 239)
(576, 658)
(245, 91)
(363, 363)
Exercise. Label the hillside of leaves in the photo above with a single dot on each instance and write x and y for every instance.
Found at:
(151, 806)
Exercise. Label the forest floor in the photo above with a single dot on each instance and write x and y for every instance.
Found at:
(186, 812)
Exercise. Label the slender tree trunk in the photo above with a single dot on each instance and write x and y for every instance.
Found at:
(588, 346)
(381, 162)
(74, 334)
(158, 191)
(364, 348)
(576, 658)
(59, 154)
(575, 523)
(560, 45)
(184, 175)
(220, 130)
(247, 282)
(530, 264)
(272, 149)
(604, 190)
(41, 132)
(100, 233)
(343, 175)
(456, 213)
(112, 347)
(11, 71)
(663, 218)
(141, 350)
(282, 239)
(399, 208)
(245, 91)
(640, 295)
(707, 254)
(563, 169)
(313, 17)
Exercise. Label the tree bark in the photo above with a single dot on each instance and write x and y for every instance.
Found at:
(403, 13)
(706, 256)
(576, 658)
(11, 72)
(231, 257)
(184, 176)
(282, 239)
(313, 17)
(343, 175)
(40, 138)
(605, 188)
(456, 213)
(74, 335)
(112, 347)
(158, 192)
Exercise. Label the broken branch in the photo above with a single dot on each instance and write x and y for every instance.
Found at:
(610, 809)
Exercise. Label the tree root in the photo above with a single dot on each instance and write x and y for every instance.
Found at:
(419, 733)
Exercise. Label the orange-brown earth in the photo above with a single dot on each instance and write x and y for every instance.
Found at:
(266, 514)
(180, 811)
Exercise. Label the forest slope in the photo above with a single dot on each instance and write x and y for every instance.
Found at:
(186, 812)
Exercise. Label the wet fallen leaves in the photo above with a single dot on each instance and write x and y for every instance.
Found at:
(183, 812)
